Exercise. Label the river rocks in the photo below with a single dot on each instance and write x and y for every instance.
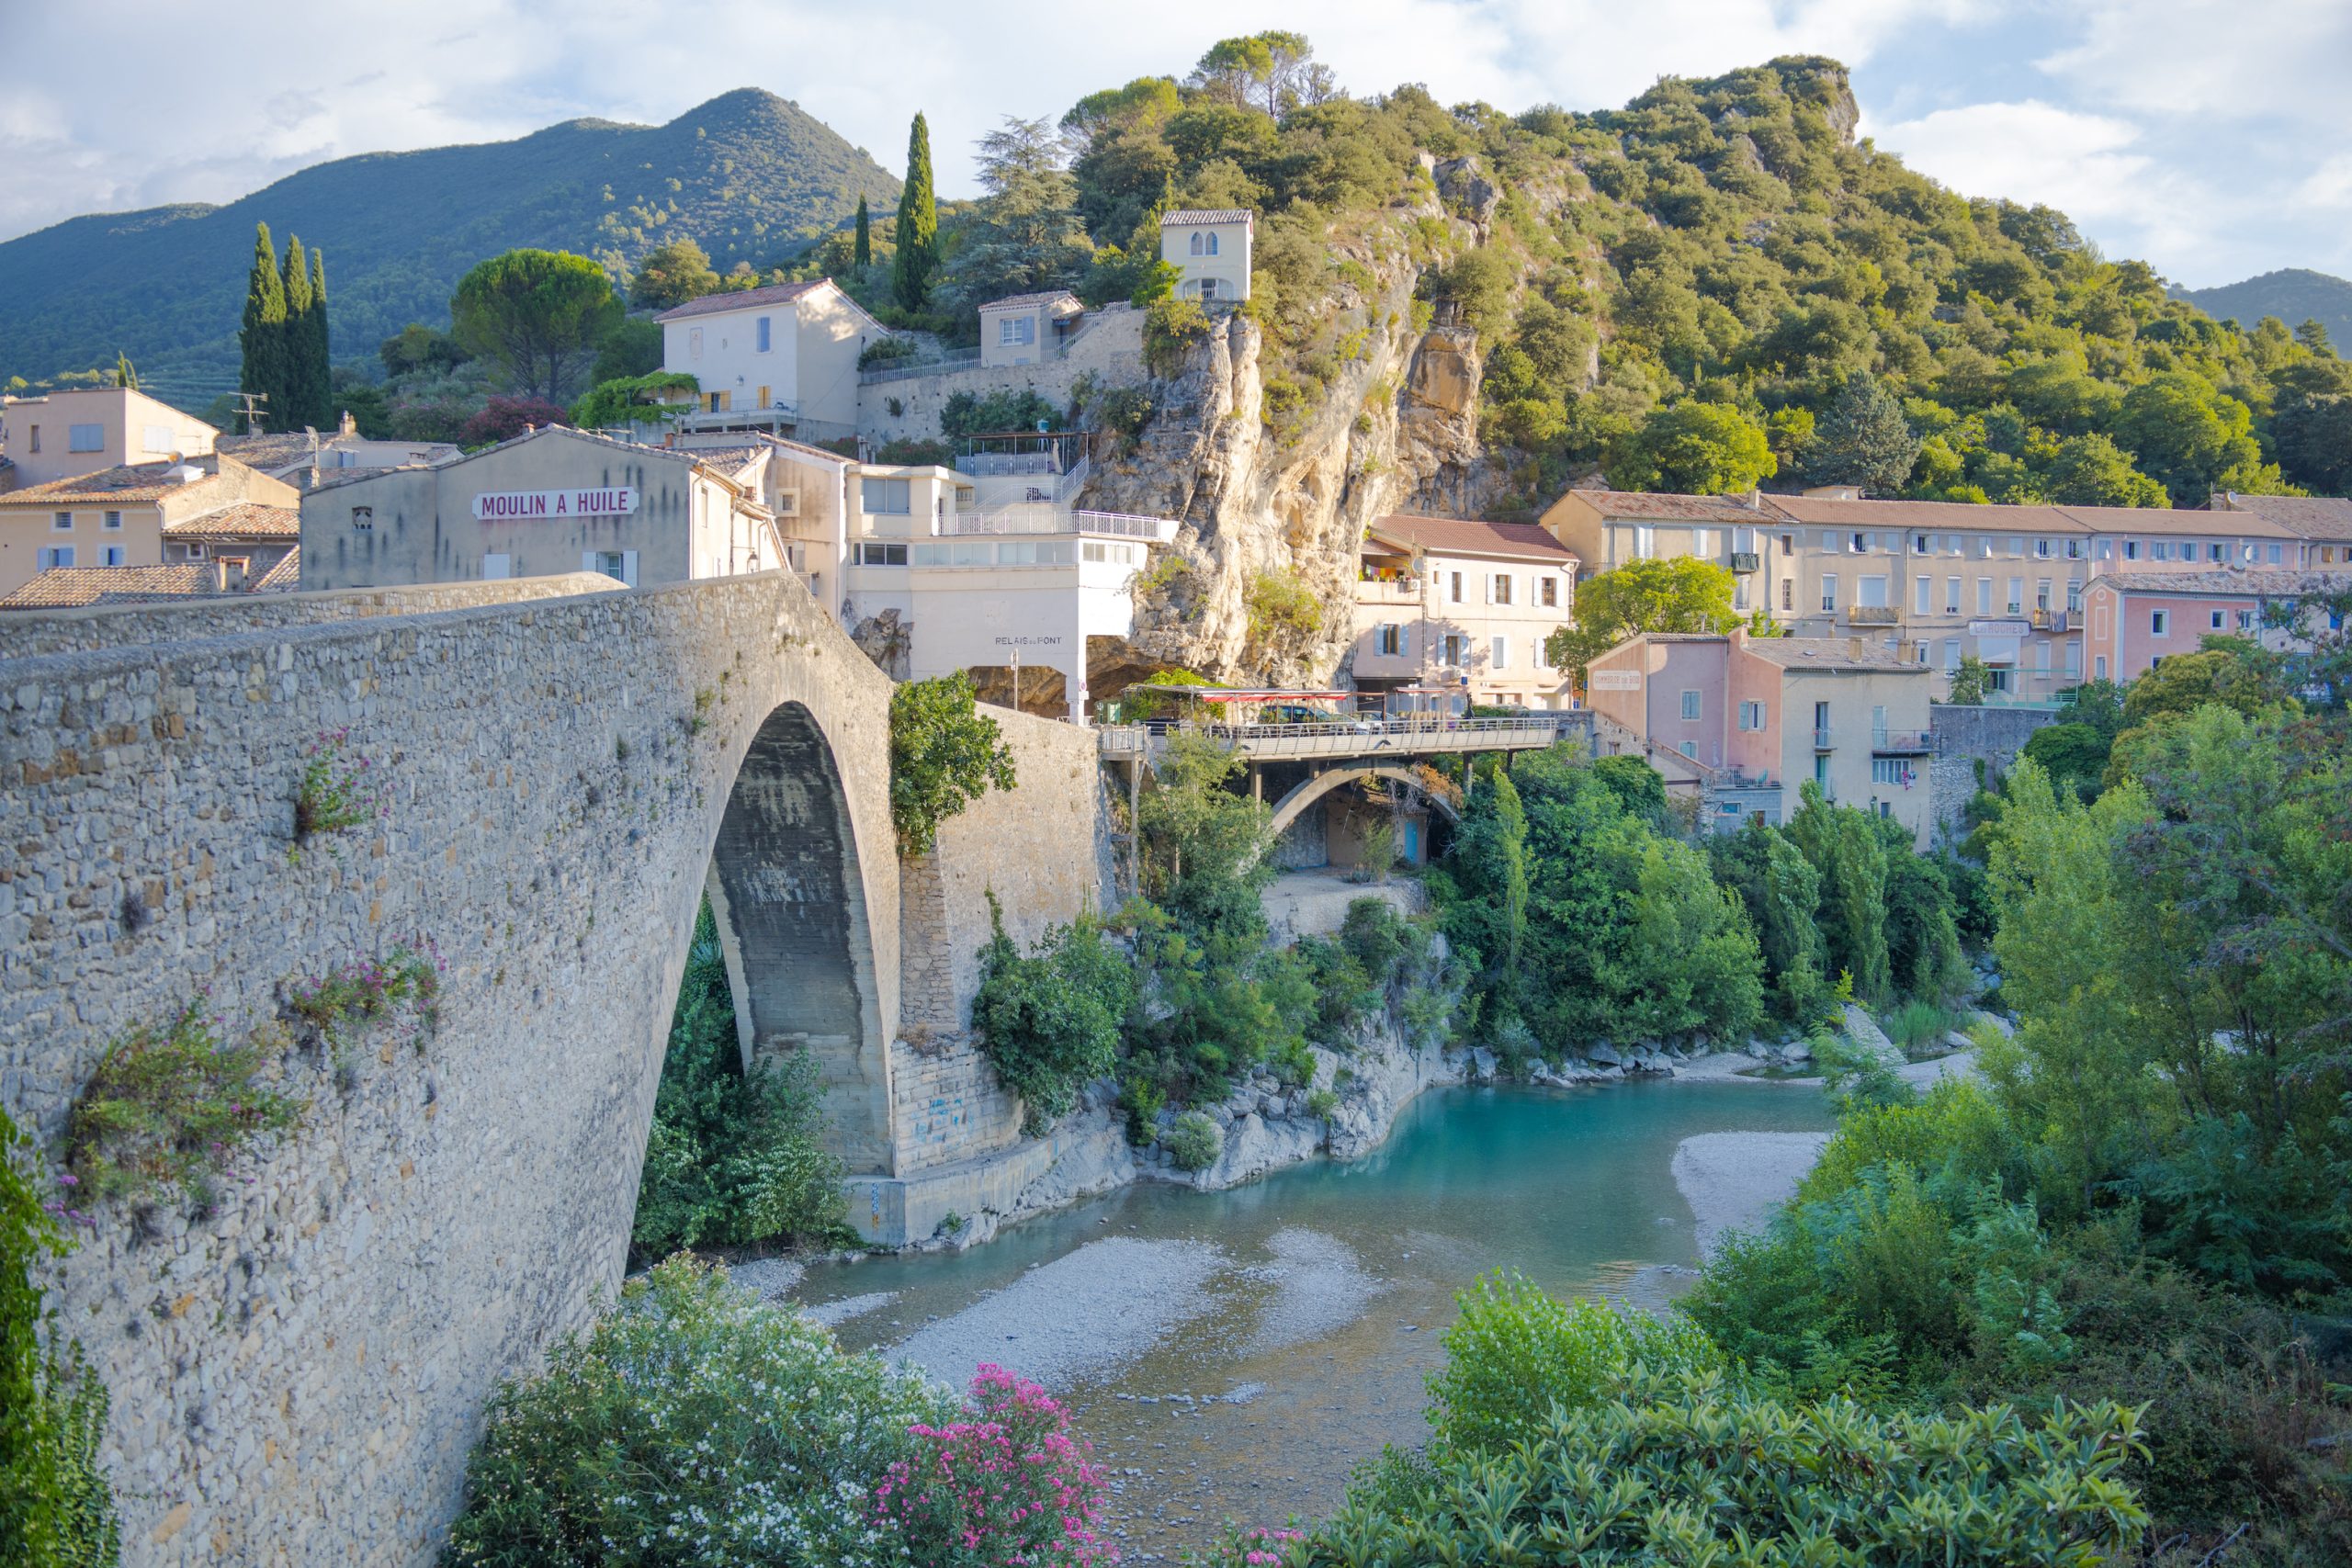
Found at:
(1606, 1055)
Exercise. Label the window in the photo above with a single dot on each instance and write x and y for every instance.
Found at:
(2270, 554)
(620, 565)
(2246, 620)
(1501, 588)
(888, 498)
(765, 401)
(36, 436)
(1016, 332)
(1033, 552)
(2016, 595)
(85, 438)
(1829, 589)
(63, 521)
(1951, 596)
(2041, 593)
(1923, 593)
(2099, 667)
(2073, 593)
(1208, 289)
(362, 518)
(1502, 653)
(1821, 771)
(1874, 593)
(2041, 550)
(1739, 592)
(1689, 748)
(1788, 593)
(1890, 771)
(1860, 542)
(56, 554)
(1453, 586)
(876, 553)
(1547, 591)
(693, 342)
(1455, 655)
(1952, 653)
(156, 438)
(1919, 652)
(2104, 548)
(2016, 545)
(2073, 549)
(2159, 623)
(1196, 242)
(1390, 640)
(1210, 249)
(1984, 596)
(1788, 544)
(1702, 543)
(717, 402)
(2074, 657)
(2217, 552)
(2217, 620)
(2160, 550)
(2130, 549)
(1690, 704)
(110, 556)
(1918, 544)
(760, 335)
(1644, 541)
(1751, 716)
(497, 567)
(114, 521)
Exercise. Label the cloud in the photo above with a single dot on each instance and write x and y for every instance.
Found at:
(2212, 59)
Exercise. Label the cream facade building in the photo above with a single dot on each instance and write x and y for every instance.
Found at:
(1028, 329)
(204, 508)
(1444, 604)
(1210, 250)
(86, 430)
(781, 359)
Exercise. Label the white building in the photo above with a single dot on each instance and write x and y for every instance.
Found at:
(1445, 602)
(86, 430)
(295, 456)
(1028, 329)
(782, 359)
(1211, 250)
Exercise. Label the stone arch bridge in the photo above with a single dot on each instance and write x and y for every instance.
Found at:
(558, 775)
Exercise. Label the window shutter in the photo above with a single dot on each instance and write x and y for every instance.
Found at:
(628, 567)
(588, 561)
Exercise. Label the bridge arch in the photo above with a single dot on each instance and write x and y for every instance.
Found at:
(1315, 786)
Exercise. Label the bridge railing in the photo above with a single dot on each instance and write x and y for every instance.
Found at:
(1348, 738)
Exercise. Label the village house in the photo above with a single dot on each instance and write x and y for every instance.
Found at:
(1028, 329)
(206, 508)
(96, 587)
(1443, 604)
(2135, 620)
(2321, 524)
(1210, 250)
(781, 359)
(1756, 717)
(303, 457)
(86, 430)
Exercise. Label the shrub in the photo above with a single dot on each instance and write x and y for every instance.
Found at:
(1193, 1142)
(505, 417)
(56, 1508)
(1048, 1021)
(1170, 328)
(358, 996)
(168, 1109)
(1920, 1026)
(694, 1425)
(889, 349)
(1321, 1102)
(964, 414)
(1007, 1484)
(1690, 1469)
(945, 754)
(334, 795)
(1283, 615)
(1515, 1354)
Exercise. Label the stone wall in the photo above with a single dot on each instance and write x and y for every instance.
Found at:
(298, 1376)
(1045, 851)
(1110, 349)
(1965, 737)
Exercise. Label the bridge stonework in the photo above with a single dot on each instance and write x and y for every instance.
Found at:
(298, 1376)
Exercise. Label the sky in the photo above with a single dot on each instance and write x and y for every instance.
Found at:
(2205, 136)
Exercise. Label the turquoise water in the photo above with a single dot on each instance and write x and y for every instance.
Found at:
(1334, 1284)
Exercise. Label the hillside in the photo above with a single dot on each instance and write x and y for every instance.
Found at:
(748, 175)
(1463, 311)
(2294, 295)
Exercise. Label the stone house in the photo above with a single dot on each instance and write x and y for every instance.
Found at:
(146, 514)
(2133, 621)
(1443, 601)
(1028, 329)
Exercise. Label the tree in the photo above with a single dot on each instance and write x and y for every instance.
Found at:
(673, 273)
(2074, 755)
(262, 337)
(2314, 437)
(1024, 236)
(317, 345)
(632, 348)
(945, 754)
(918, 233)
(1970, 682)
(862, 253)
(537, 314)
(2192, 437)
(1846, 850)
(125, 374)
(2228, 671)
(1695, 448)
(1683, 594)
(2092, 471)
(1865, 442)
(303, 391)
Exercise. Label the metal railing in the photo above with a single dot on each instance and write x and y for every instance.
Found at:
(1036, 517)
(1348, 738)
(1901, 743)
(1822, 740)
(952, 360)
(1873, 615)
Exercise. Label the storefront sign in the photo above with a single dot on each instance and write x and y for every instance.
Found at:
(1028, 642)
(1613, 681)
(535, 503)
(1998, 628)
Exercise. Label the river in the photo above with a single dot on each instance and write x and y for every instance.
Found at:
(1235, 1354)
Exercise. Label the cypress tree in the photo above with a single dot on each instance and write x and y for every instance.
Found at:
(321, 371)
(917, 224)
(262, 337)
(299, 399)
(864, 254)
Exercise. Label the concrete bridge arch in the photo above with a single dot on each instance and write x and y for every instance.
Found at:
(1295, 801)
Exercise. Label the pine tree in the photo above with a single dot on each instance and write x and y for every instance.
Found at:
(321, 375)
(1865, 442)
(125, 373)
(917, 224)
(864, 252)
(299, 399)
(262, 337)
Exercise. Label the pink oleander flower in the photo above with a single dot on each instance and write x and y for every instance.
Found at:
(1007, 1486)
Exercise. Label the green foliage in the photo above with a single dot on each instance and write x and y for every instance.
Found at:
(538, 315)
(1845, 849)
(1193, 1141)
(2074, 755)
(734, 1157)
(1024, 235)
(1969, 682)
(1284, 617)
(1697, 1469)
(168, 1109)
(1864, 441)
(262, 340)
(694, 1425)
(862, 251)
(1694, 448)
(1780, 889)
(1007, 409)
(1683, 594)
(634, 399)
(56, 1510)
(1515, 1356)
(335, 793)
(632, 348)
(917, 260)
(1170, 328)
(1048, 1020)
(945, 754)
(675, 272)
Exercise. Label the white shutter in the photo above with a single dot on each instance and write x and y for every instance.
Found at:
(495, 568)
(588, 561)
(628, 567)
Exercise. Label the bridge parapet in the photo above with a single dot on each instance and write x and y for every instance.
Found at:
(1367, 739)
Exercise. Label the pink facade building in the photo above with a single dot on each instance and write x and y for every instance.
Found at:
(2133, 621)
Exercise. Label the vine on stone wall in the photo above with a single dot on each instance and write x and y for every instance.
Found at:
(336, 793)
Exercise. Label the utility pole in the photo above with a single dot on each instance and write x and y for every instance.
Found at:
(252, 411)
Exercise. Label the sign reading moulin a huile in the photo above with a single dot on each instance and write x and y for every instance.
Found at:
(610, 501)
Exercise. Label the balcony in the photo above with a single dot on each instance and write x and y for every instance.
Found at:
(2052, 620)
(1901, 742)
(1745, 561)
(1388, 591)
(1821, 740)
(1873, 615)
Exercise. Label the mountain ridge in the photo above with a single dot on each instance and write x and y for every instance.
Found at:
(2293, 294)
(749, 174)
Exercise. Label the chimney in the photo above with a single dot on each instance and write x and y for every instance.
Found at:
(349, 427)
(1854, 648)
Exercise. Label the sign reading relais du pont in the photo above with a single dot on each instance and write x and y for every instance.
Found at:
(533, 503)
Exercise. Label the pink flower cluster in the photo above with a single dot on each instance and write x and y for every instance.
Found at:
(1007, 1488)
(1261, 1547)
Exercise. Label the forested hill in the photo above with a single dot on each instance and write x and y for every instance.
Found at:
(748, 175)
(2292, 294)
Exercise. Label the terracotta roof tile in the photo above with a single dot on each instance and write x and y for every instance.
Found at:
(2243, 584)
(1831, 653)
(1191, 216)
(1013, 301)
(2326, 517)
(714, 304)
(244, 520)
(131, 481)
(1820, 510)
(2171, 520)
(1465, 536)
(70, 587)
(1666, 507)
(284, 576)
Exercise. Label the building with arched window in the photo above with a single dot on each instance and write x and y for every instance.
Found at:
(1211, 250)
